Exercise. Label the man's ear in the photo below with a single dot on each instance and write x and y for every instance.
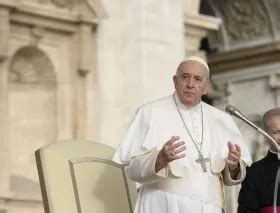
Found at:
(207, 88)
(174, 80)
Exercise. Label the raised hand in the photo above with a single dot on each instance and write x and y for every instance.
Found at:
(171, 150)
(234, 154)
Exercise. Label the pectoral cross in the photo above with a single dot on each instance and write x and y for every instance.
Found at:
(202, 162)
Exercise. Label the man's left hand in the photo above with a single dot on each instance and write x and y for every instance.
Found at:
(234, 154)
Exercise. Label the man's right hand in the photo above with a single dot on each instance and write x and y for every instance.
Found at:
(171, 150)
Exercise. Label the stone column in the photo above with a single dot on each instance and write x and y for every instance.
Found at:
(4, 33)
(220, 93)
(139, 47)
(85, 58)
(4, 131)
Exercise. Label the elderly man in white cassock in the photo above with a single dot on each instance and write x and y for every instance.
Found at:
(182, 150)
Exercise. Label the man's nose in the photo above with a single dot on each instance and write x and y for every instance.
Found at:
(190, 83)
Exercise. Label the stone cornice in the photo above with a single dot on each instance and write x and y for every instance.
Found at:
(243, 58)
(53, 24)
(8, 4)
(50, 12)
(47, 17)
(202, 21)
(54, 14)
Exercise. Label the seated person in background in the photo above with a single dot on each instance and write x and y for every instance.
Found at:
(256, 193)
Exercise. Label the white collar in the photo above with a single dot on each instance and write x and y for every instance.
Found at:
(186, 108)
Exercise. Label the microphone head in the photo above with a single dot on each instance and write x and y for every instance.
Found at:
(230, 109)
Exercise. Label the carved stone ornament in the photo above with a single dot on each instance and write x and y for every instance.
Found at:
(244, 20)
(274, 8)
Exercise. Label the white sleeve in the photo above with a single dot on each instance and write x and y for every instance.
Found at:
(240, 177)
(142, 168)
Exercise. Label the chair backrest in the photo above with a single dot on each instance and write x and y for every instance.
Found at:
(79, 177)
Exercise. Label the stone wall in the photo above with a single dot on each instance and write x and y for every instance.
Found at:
(47, 61)
(78, 69)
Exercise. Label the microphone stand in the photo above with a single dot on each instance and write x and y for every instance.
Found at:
(276, 190)
(234, 111)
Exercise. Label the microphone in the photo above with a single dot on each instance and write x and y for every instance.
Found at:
(232, 110)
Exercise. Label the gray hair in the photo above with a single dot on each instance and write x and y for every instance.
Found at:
(268, 115)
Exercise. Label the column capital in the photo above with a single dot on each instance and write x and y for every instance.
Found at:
(197, 27)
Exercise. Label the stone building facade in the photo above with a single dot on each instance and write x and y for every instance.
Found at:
(244, 58)
(47, 68)
(77, 69)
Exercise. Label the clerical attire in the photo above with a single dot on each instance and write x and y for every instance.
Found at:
(256, 193)
(193, 183)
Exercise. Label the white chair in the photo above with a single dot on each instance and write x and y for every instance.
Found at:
(79, 177)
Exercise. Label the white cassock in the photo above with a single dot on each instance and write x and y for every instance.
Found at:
(181, 187)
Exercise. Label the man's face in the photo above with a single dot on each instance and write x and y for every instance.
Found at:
(273, 126)
(191, 82)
